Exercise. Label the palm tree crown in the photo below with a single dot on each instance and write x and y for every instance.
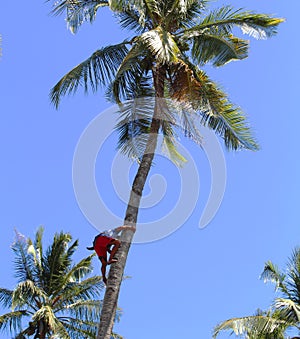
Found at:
(53, 297)
(173, 40)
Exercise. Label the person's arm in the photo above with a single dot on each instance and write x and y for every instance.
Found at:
(124, 227)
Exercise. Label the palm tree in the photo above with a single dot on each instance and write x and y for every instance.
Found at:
(53, 297)
(162, 60)
(283, 315)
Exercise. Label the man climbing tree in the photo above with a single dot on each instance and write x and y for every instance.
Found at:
(107, 242)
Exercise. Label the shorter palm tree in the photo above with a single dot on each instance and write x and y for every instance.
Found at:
(54, 298)
(284, 313)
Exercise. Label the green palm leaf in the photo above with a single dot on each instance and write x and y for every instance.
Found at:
(89, 288)
(218, 48)
(5, 297)
(27, 293)
(84, 310)
(161, 45)
(135, 118)
(271, 273)
(23, 261)
(81, 269)
(12, 321)
(170, 142)
(78, 11)
(289, 309)
(79, 328)
(253, 327)
(130, 81)
(37, 248)
(132, 21)
(198, 93)
(219, 114)
(97, 70)
(260, 26)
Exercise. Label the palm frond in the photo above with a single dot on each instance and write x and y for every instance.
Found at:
(97, 70)
(260, 26)
(90, 288)
(79, 328)
(141, 8)
(27, 293)
(131, 20)
(169, 143)
(289, 310)
(196, 91)
(161, 45)
(12, 321)
(219, 114)
(23, 261)
(38, 245)
(194, 11)
(293, 275)
(57, 262)
(86, 310)
(218, 48)
(230, 124)
(35, 249)
(78, 271)
(135, 118)
(271, 273)
(130, 80)
(6, 297)
(181, 6)
(78, 11)
(183, 13)
(257, 326)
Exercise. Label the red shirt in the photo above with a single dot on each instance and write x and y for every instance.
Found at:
(100, 245)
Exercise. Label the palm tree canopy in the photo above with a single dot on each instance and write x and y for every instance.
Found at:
(178, 36)
(53, 294)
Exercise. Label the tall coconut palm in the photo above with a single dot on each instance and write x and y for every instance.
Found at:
(171, 40)
(54, 298)
(284, 314)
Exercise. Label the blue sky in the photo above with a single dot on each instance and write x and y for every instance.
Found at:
(183, 284)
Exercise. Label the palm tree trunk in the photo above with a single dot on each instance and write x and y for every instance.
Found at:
(41, 330)
(117, 269)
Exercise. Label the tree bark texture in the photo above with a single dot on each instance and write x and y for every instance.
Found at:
(116, 272)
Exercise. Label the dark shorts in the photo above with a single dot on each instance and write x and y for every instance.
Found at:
(101, 244)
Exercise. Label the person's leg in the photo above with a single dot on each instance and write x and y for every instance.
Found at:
(103, 268)
(116, 244)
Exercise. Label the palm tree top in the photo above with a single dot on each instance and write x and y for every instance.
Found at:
(172, 40)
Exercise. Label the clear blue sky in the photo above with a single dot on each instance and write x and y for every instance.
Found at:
(184, 284)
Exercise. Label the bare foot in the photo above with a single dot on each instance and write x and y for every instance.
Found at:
(112, 261)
